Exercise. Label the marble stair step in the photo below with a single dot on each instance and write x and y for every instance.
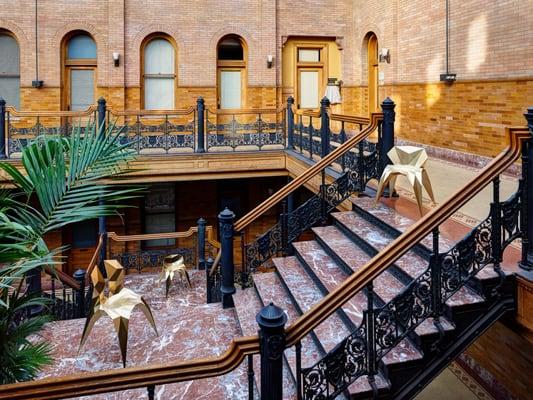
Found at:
(270, 289)
(401, 223)
(397, 221)
(410, 263)
(247, 305)
(330, 275)
(306, 294)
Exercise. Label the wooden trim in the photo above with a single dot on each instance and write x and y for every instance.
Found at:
(16, 113)
(170, 235)
(135, 377)
(141, 113)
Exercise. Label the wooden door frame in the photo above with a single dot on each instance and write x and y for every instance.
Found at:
(231, 67)
(373, 73)
(67, 86)
(320, 71)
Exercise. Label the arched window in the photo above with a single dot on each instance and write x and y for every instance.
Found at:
(80, 71)
(159, 74)
(9, 70)
(231, 72)
(372, 59)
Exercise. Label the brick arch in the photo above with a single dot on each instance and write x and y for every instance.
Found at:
(78, 26)
(151, 29)
(19, 34)
(230, 30)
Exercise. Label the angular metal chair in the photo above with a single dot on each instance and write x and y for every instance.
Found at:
(408, 161)
(172, 264)
(118, 305)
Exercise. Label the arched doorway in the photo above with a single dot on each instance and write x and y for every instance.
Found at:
(231, 72)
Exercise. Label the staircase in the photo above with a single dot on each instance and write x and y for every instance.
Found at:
(318, 266)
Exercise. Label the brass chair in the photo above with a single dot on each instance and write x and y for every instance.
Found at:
(173, 264)
(118, 305)
(408, 161)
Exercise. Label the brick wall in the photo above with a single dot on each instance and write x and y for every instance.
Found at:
(490, 50)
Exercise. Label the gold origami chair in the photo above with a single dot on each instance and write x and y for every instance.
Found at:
(118, 305)
(173, 264)
(408, 161)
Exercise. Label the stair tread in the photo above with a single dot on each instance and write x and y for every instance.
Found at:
(384, 285)
(396, 220)
(304, 291)
(247, 305)
(331, 276)
(271, 290)
(411, 263)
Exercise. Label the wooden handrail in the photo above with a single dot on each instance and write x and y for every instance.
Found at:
(135, 377)
(243, 111)
(62, 277)
(308, 174)
(353, 119)
(169, 235)
(308, 113)
(94, 258)
(16, 113)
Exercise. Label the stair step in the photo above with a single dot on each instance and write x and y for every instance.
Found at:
(396, 221)
(410, 263)
(270, 289)
(330, 275)
(405, 351)
(247, 305)
(306, 294)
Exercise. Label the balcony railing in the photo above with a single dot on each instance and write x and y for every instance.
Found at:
(154, 132)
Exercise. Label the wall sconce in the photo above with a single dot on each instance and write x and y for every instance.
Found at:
(270, 61)
(333, 91)
(384, 56)
(116, 59)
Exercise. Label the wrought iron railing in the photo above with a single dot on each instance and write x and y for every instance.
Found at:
(382, 327)
(254, 129)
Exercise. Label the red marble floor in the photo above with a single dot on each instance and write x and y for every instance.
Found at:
(188, 329)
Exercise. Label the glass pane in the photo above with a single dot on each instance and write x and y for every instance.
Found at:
(159, 57)
(10, 91)
(81, 46)
(84, 234)
(308, 89)
(10, 60)
(159, 93)
(81, 89)
(160, 223)
(230, 89)
(309, 55)
(230, 49)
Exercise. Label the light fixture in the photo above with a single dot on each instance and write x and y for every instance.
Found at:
(333, 92)
(384, 56)
(116, 59)
(270, 61)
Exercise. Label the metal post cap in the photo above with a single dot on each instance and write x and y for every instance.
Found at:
(388, 102)
(271, 316)
(290, 100)
(226, 214)
(200, 99)
(201, 221)
(325, 101)
(79, 274)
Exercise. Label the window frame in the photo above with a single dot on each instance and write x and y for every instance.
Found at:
(9, 75)
(320, 65)
(233, 65)
(174, 76)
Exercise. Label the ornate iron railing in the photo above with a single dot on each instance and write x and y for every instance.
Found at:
(245, 129)
(385, 327)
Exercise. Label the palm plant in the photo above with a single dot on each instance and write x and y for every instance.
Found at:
(65, 177)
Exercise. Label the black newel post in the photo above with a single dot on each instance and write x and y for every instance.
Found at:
(527, 197)
(227, 289)
(209, 280)
(101, 115)
(200, 107)
(271, 320)
(201, 243)
(79, 276)
(324, 127)
(102, 231)
(290, 123)
(387, 136)
(2, 129)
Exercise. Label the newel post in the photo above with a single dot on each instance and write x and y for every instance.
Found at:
(387, 135)
(200, 108)
(324, 126)
(271, 320)
(79, 276)
(2, 129)
(101, 115)
(290, 123)
(227, 289)
(201, 243)
(527, 198)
